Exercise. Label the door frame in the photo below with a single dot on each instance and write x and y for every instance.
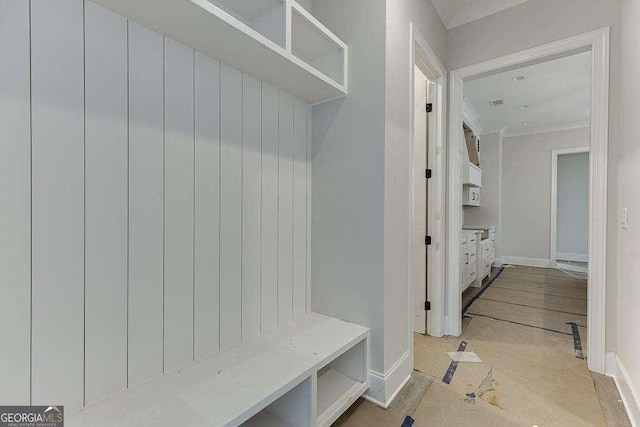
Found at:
(598, 43)
(434, 70)
(554, 196)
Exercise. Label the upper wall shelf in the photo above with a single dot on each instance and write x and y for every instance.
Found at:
(276, 41)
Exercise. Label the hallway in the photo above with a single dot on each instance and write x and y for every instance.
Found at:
(531, 373)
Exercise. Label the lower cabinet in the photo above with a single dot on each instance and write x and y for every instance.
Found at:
(477, 255)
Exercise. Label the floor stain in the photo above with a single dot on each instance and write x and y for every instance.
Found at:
(494, 401)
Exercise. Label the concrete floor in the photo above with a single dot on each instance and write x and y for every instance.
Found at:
(530, 374)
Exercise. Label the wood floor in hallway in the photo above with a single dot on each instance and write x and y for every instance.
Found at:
(524, 327)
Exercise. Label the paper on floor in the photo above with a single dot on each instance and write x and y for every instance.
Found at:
(464, 356)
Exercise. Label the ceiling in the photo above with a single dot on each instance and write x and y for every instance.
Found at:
(459, 12)
(557, 93)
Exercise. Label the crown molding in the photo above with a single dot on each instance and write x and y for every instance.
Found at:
(506, 133)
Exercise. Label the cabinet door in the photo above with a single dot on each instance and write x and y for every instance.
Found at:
(475, 196)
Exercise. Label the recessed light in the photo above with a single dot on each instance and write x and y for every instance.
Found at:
(524, 107)
(518, 78)
(526, 123)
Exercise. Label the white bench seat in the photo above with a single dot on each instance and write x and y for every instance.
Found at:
(305, 373)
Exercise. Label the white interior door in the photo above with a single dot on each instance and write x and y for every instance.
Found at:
(420, 144)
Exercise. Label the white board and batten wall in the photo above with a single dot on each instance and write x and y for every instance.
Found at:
(154, 204)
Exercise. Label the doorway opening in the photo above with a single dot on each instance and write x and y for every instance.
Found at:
(424, 129)
(518, 232)
(570, 210)
(427, 225)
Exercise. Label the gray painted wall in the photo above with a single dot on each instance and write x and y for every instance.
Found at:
(534, 23)
(526, 199)
(573, 204)
(628, 315)
(397, 164)
(347, 241)
(361, 171)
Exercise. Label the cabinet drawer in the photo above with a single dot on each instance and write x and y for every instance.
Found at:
(469, 274)
(486, 248)
(467, 259)
(471, 249)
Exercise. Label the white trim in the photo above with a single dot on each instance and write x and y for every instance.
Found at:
(309, 199)
(383, 388)
(598, 42)
(554, 198)
(543, 129)
(611, 364)
(571, 268)
(628, 392)
(453, 321)
(422, 55)
(565, 256)
(528, 262)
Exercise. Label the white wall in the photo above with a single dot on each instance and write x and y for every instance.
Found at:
(397, 161)
(534, 23)
(573, 206)
(489, 212)
(15, 204)
(348, 177)
(526, 190)
(628, 314)
(168, 201)
(361, 173)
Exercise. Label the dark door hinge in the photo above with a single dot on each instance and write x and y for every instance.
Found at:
(427, 305)
(427, 240)
(428, 173)
(429, 107)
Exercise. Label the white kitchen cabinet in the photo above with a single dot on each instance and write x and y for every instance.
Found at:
(468, 258)
(471, 196)
(471, 175)
(477, 255)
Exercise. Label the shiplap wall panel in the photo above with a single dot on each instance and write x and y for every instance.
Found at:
(285, 209)
(106, 190)
(269, 234)
(230, 206)
(146, 171)
(212, 209)
(58, 202)
(207, 219)
(299, 207)
(15, 214)
(178, 204)
(251, 205)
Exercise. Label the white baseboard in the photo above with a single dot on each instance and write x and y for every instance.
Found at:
(529, 262)
(628, 393)
(610, 364)
(384, 387)
(570, 267)
(563, 256)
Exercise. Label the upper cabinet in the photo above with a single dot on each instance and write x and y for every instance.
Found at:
(276, 41)
(471, 172)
